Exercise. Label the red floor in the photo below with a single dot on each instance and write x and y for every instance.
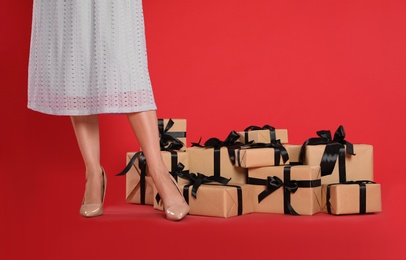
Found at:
(42, 222)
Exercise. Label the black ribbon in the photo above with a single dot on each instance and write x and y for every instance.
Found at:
(239, 195)
(231, 143)
(169, 140)
(279, 151)
(142, 165)
(271, 129)
(196, 180)
(273, 183)
(362, 194)
(177, 170)
(336, 148)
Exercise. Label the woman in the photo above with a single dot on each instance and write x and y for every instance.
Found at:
(88, 57)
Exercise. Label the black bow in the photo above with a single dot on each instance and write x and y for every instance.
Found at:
(332, 150)
(273, 183)
(231, 143)
(280, 150)
(167, 139)
(198, 179)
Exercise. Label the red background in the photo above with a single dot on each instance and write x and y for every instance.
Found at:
(222, 65)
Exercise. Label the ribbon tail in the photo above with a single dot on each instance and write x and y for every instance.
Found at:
(129, 164)
(328, 161)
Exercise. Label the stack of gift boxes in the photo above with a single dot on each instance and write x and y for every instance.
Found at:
(258, 170)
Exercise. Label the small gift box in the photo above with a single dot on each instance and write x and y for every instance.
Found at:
(217, 200)
(260, 155)
(172, 133)
(216, 158)
(353, 197)
(339, 159)
(140, 186)
(265, 134)
(294, 190)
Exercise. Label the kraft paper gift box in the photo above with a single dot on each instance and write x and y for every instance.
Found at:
(140, 186)
(353, 167)
(247, 157)
(215, 161)
(294, 190)
(339, 159)
(170, 129)
(263, 136)
(354, 197)
(215, 200)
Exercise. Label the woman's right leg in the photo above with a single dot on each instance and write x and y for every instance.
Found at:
(87, 135)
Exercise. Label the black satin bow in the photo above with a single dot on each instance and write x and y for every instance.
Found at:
(167, 139)
(196, 180)
(280, 150)
(273, 183)
(231, 143)
(334, 147)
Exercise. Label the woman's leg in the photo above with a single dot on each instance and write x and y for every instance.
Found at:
(87, 135)
(145, 127)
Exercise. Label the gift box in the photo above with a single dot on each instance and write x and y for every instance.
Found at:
(215, 161)
(340, 160)
(140, 186)
(254, 156)
(353, 197)
(294, 190)
(216, 200)
(347, 167)
(263, 135)
(172, 133)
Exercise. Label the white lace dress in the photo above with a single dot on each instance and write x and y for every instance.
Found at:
(88, 57)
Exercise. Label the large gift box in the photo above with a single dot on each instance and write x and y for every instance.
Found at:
(217, 200)
(340, 160)
(255, 156)
(353, 197)
(265, 134)
(294, 190)
(140, 186)
(172, 133)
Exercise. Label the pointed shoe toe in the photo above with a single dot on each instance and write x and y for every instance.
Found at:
(177, 212)
(91, 210)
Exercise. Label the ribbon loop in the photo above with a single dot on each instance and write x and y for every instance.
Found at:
(273, 182)
(333, 151)
(231, 143)
(166, 140)
(196, 180)
(291, 186)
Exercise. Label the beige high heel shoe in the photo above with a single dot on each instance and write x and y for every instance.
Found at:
(179, 211)
(94, 210)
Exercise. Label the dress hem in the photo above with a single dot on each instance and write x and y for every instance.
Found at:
(93, 112)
